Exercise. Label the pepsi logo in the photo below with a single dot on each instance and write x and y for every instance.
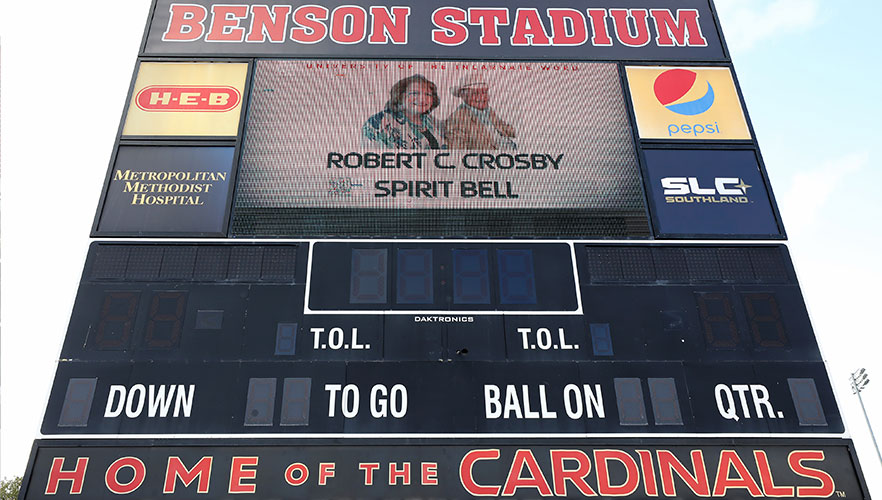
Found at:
(675, 90)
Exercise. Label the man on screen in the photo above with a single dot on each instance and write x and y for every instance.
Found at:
(474, 124)
(406, 122)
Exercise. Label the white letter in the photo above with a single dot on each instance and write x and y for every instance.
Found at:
(727, 413)
(722, 189)
(137, 388)
(492, 406)
(675, 185)
(114, 391)
(332, 398)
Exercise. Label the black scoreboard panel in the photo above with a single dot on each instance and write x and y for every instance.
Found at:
(426, 398)
(470, 301)
(704, 302)
(439, 337)
(260, 468)
(185, 301)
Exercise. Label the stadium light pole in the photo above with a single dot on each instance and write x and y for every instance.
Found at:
(859, 381)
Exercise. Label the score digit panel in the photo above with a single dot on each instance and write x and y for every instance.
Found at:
(442, 278)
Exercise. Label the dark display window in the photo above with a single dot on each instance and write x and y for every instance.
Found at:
(505, 277)
(261, 402)
(77, 402)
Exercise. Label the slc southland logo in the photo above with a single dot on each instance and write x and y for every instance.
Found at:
(688, 190)
(686, 103)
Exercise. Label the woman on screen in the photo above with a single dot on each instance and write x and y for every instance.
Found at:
(406, 122)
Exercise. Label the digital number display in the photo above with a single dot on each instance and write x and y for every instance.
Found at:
(116, 318)
(517, 283)
(471, 277)
(368, 276)
(765, 320)
(166, 320)
(448, 277)
(718, 320)
(763, 316)
(415, 271)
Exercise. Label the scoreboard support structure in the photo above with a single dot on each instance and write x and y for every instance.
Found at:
(439, 251)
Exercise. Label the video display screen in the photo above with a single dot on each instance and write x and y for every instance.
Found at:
(406, 148)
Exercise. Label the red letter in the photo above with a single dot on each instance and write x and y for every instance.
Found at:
(238, 473)
(387, 26)
(185, 23)
(600, 38)
(601, 457)
(450, 30)
(176, 469)
(827, 487)
(264, 24)
(123, 489)
(685, 30)
(394, 473)
(465, 473)
(728, 458)
(534, 480)
(529, 29)
(430, 474)
(489, 19)
(326, 471)
(562, 33)
(623, 27)
(312, 29)
(560, 474)
(697, 482)
(226, 29)
(650, 485)
(369, 469)
(765, 470)
(76, 476)
(338, 24)
(300, 469)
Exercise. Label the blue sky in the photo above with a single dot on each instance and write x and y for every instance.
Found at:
(809, 72)
(811, 84)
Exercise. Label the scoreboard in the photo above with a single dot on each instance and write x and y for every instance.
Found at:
(445, 337)
(438, 250)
